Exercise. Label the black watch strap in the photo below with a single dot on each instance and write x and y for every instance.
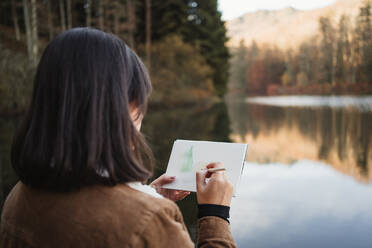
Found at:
(214, 210)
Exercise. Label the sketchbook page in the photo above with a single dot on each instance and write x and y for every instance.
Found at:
(188, 156)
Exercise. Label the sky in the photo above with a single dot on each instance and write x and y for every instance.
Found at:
(235, 8)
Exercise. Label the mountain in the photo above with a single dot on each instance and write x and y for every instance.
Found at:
(286, 27)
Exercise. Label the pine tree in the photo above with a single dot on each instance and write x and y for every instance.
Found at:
(15, 20)
(62, 14)
(27, 20)
(50, 19)
(148, 34)
(88, 11)
(100, 12)
(198, 22)
(167, 17)
(34, 31)
(207, 30)
(69, 14)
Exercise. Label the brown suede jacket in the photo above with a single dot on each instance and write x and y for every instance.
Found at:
(100, 216)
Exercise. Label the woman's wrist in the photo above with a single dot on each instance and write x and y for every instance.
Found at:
(214, 210)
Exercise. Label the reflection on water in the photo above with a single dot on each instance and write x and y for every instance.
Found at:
(341, 137)
(308, 178)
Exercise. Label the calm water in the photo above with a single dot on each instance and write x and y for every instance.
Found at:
(307, 179)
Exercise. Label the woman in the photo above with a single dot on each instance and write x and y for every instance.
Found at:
(81, 158)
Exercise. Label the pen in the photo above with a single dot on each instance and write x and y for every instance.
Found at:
(215, 169)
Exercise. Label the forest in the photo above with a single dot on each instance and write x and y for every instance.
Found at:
(182, 42)
(337, 60)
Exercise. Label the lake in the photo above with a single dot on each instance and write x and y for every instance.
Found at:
(308, 174)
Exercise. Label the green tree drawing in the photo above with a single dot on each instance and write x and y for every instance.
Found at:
(187, 160)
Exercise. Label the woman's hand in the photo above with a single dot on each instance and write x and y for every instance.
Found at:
(171, 194)
(217, 191)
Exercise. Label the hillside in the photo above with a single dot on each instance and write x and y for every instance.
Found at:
(286, 27)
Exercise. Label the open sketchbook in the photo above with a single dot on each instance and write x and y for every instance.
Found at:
(187, 156)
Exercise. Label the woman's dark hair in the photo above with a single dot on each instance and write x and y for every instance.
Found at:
(78, 130)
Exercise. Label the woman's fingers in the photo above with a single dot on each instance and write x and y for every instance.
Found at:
(171, 194)
(200, 180)
(176, 195)
(217, 191)
(162, 180)
(183, 194)
(214, 165)
(180, 193)
(166, 179)
(218, 175)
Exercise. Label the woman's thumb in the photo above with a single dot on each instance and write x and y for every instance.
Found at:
(162, 180)
(167, 179)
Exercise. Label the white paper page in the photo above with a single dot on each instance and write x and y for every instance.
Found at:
(188, 156)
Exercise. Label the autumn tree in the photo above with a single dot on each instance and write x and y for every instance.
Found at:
(309, 69)
(238, 67)
(265, 69)
(289, 76)
(364, 38)
(343, 52)
(327, 73)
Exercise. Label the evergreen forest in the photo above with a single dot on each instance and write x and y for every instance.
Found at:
(182, 42)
